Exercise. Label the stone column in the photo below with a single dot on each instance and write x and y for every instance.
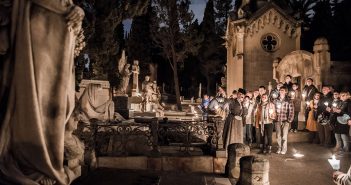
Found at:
(321, 61)
(254, 170)
(135, 71)
(235, 152)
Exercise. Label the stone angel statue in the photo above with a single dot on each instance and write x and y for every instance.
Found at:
(124, 74)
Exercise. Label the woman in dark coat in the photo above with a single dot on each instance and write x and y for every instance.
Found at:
(233, 128)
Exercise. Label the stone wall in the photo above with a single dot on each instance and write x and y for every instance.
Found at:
(258, 62)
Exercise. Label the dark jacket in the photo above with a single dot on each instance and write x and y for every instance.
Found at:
(321, 104)
(297, 100)
(289, 86)
(235, 108)
(309, 91)
(343, 128)
(274, 92)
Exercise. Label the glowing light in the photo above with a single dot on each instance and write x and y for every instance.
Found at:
(304, 95)
(334, 104)
(335, 163)
(298, 155)
(279, 106)
(308, 103)
(275, 95)
(292, 93)
(326, 104)
(270, 111)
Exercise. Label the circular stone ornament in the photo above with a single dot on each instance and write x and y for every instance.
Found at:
(270, 42)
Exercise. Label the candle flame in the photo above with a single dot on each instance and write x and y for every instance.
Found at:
(298, 155)
(333, 157)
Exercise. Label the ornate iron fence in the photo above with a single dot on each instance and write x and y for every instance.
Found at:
(146, 137)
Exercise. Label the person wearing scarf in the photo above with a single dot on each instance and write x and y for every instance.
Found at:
(265, 115)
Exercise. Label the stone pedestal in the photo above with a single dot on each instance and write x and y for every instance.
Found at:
(122, 105)
(254, 170)
(235, 152)
(135, 103)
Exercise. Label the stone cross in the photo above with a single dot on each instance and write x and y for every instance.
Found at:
(135, 71)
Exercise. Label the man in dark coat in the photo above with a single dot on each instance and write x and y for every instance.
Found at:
(307, 94)
(324, 131)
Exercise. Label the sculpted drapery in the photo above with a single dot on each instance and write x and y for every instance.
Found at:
(37, 97)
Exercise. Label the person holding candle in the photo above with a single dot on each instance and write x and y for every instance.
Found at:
(275, 92)
(296, 99)
(324, 130)
(307, 94)
(342, 128)
(332, 119)
(265, 115)
(311, 125)
(285, 116)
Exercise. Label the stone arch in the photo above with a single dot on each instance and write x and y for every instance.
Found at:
(297, 64)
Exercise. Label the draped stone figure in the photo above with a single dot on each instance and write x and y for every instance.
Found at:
(90, 107)
(37, 89)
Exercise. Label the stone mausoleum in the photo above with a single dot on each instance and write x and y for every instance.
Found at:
(263, 45)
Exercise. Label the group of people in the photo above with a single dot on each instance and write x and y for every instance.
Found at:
(253, 115)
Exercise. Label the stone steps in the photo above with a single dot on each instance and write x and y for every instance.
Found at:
(189, 164)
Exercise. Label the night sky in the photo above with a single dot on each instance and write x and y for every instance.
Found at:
(197, 6)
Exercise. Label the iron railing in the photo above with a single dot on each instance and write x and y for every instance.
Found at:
(146, 136)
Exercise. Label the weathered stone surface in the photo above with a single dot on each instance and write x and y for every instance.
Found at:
(137, 163)
(219, 165)
(154, 163)
(188, 164)
(254, 171)
(145, 114)
(235, 152)
(121, 102)
(221, 153)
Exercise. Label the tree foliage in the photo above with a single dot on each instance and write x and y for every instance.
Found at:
(102, 25)
(175, 34)
(222, 9)
(212, 52)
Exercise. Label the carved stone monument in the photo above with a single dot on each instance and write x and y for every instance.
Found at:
(151, 99)
(135, 71)
(235, 152)
(37, 90)
(136, 99)
(254, 171)
(124, 75)
(95, 100)
(73, 149)
(122, 104)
